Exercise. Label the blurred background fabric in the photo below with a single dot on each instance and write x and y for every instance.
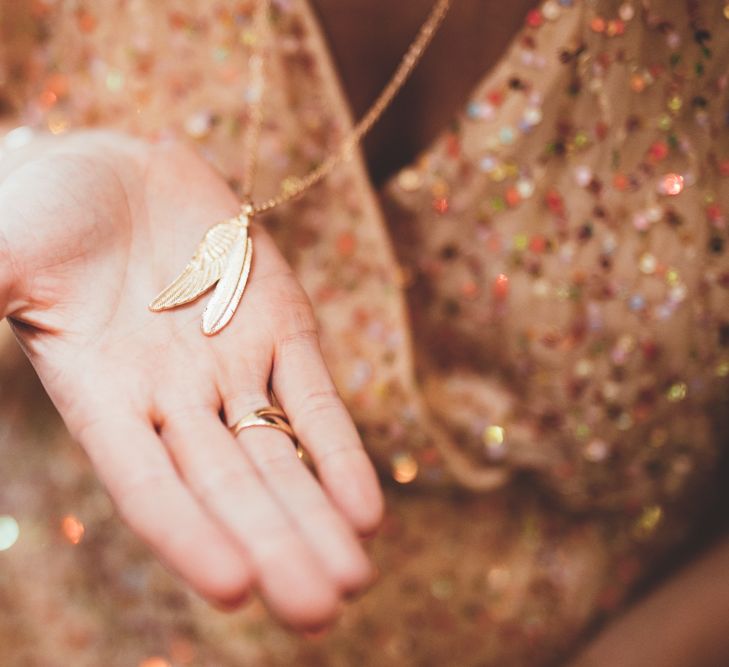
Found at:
(528, 324)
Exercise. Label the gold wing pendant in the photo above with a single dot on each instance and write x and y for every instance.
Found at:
(227, 294)
(223, 256)
(204, 269)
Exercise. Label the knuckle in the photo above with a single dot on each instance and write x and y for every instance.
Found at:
(317, 403)
(303, 335)
(241, 402)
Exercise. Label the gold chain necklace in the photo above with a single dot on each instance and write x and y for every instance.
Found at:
(225, 253)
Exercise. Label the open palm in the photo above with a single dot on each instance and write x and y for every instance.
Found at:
(96, 226)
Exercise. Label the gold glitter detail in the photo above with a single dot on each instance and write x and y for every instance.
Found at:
(521, 241)
(665, 122)
(648, 521)
(9, 531)
(580, 139)
(493, 435)
(248, 38)
(677, 392)
(722, 368)
(498, 173)
(404, 467)
(494, 438)
(672, 277)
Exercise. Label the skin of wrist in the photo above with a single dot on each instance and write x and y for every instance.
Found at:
(15, 143)
(7, 276)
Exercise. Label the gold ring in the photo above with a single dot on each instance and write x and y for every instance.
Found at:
(269, 415)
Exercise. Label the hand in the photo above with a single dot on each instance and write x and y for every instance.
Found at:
(96, 226)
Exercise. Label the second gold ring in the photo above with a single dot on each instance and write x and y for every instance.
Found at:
(269, 415)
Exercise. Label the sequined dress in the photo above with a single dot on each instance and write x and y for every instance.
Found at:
(529, 324)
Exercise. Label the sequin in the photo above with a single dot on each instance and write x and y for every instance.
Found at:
(636, 302)
(404, 467)
(675, 103)
(480, 110)
(641, 221)
(72, 528)
(583, 175)
(500, 288)
(671, 184)
(648, 521)
(534, 18)
(626, 11)
(550, 10)
(598, 24)
(199, 124)
(494, 438)
(440, 205)
(647, 263)
(596, 451)
(677, 392)
(409, 180)
(525, 188)
(532, 116)
(9, 531)
(658, 151)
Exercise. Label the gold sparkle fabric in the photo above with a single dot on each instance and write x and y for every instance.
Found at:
(528, 323)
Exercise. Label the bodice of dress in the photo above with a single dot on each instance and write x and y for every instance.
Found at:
(541, 295)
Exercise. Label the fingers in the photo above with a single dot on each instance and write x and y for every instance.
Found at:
(133, 464)
(304, 387)
(291, 579)
(302, 498)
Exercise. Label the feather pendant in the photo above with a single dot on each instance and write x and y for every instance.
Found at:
(205, 267)
(228, 293)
